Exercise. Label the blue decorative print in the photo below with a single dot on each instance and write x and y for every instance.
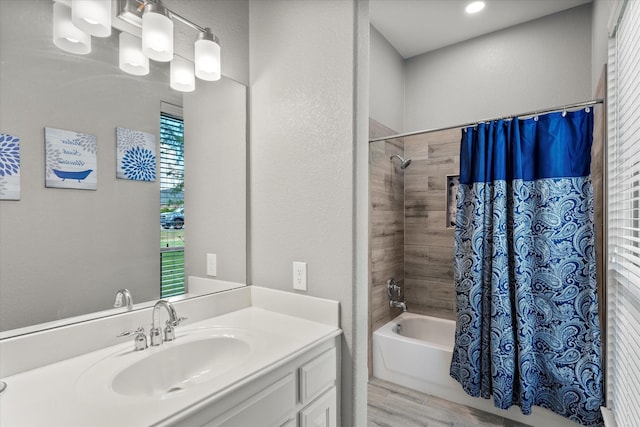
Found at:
(78, 176)
(139, 164)
(9, 167)
(9, 154)
(71, 159)
(527, 330)
(136, 155)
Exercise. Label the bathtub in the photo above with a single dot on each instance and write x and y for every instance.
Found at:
(415, 351)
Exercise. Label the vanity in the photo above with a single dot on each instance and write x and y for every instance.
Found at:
(249, 356)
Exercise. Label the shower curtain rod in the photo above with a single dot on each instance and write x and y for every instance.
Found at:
(530, 113)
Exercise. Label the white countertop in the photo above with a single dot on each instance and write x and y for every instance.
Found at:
(57, 394)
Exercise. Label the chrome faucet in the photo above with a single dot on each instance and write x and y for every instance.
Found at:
(169, 331)
(398, 304)
(128, 299)
(394, 292)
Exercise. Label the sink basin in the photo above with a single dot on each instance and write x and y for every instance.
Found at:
(178, 366)
(172, 369)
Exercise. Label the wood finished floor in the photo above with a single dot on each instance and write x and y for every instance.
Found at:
(390, 405)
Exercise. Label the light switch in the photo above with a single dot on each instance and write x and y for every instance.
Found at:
(212, 265)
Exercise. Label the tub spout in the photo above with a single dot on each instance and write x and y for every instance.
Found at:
(398, 304)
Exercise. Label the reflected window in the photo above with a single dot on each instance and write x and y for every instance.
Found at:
(172, 218)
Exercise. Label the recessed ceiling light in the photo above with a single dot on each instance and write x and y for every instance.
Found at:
(474, 7)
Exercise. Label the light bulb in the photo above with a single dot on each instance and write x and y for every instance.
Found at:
(131, 58)
(181, 75)
(157, 33)
(67, 36)
(207, 56)
(474, 7)
(92, 16)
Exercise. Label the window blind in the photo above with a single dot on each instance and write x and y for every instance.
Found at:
(623, 228)
(172, 280)
(171, 160)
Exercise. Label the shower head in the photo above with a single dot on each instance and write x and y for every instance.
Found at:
(404, 162)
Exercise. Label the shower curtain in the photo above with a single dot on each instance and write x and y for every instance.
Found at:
(527, 330)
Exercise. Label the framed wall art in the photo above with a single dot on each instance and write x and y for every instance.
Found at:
(71, 160)
(9, 167)
(136, 155)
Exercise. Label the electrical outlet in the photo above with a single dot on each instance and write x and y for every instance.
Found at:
(300, 276)
(212, 265)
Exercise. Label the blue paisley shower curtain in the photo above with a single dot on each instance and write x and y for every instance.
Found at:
(527, 330)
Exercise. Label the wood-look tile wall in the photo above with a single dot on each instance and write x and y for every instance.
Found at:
(597, 179)
(428, 242)
(386, 224)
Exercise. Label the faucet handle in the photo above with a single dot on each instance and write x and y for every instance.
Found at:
(177, 321)
(140, 330)
(156, 336)
(169, 330)
(140, 340)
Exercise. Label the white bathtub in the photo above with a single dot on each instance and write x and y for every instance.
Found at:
(418, 357)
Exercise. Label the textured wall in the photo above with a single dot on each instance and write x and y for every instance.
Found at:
(539, 64)
(228, 19)
(386, 83)
(304, 131)
(599, 39)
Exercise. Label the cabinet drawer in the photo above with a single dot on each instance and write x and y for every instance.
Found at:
(317, 376)
(322, 412)
(271, 407)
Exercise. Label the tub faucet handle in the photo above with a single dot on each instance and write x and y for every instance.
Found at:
(393, 290)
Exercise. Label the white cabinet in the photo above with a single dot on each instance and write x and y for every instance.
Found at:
(322, 412)
(302, 391)
(273, 406)
(317, 375)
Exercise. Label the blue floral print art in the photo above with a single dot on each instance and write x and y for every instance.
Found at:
(139, 164)
(9, 167)
(136, 155)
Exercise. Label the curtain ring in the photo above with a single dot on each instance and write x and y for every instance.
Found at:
(587, 109)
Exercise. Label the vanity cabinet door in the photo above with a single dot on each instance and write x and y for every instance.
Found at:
(322, 412)
(317, 375)
(274, 406)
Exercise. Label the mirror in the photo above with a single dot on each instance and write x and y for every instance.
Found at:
(65, 252)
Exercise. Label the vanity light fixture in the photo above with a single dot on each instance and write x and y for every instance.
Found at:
(157, 32)
(207, 56)
(76, 20)
(66, 35)
(131, 58)
(181, 75)
(474, 7)
(92, 16)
